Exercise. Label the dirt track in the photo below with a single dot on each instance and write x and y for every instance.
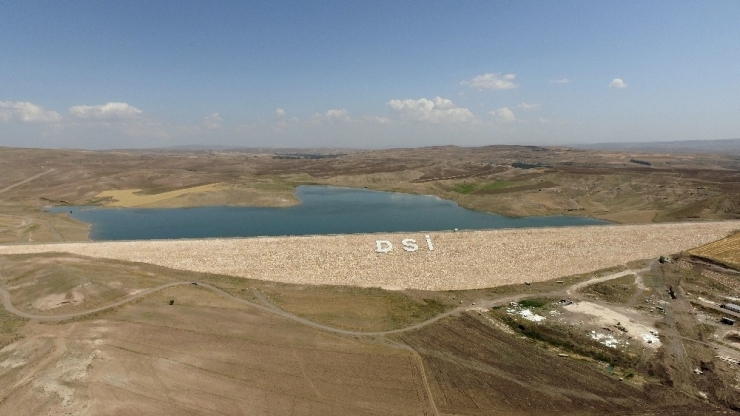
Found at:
(460, 260)
(273, 309)
(17, 184)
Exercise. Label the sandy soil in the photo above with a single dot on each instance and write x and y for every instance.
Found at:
(203, 356)
(128, 198)
(611, 317)
(460, 260)
(56, 300)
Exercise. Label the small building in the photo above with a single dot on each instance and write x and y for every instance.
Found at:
(731, 307)
(727, 321)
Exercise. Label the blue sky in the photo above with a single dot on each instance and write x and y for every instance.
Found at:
(100, 74)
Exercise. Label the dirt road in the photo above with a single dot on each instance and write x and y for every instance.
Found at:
(17, 184)
(578, 286)
(273, 309)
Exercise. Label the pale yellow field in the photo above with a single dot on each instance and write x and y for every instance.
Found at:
(127, 198)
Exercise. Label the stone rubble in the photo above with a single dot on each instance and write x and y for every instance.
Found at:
(460, 260)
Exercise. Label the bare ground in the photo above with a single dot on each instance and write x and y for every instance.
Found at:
(203, 355)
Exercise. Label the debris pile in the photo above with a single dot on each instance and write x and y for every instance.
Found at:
(515, 309)
(608, 339)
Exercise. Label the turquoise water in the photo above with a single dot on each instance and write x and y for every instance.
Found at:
(323, 210)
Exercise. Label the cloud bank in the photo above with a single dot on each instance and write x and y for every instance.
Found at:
(503, 115)
(26, 112)
(438, 110)
(106, 111)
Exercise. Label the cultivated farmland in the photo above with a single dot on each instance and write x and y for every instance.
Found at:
(725, 251)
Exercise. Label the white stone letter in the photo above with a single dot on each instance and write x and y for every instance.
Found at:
(383, 246)
(429, 242)
(409, 245)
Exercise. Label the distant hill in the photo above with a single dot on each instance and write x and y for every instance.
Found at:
(243, 149)
(724, 146)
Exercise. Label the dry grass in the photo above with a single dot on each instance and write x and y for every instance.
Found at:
(359, 309)
(204, 355)
(618, 290)
(128, 198)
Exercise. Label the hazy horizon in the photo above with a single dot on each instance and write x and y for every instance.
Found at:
(367, 75)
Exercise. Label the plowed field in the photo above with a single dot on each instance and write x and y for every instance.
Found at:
(726, 251)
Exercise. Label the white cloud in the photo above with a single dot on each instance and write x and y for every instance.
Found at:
(492, 81)
(279, 112)
(26, 112)
(526, 106)
(560, 81)
(504, 115)
(439, 110)
(104, 112)
(213, 121)
(337, 114)
(617, 83)
(331, 116)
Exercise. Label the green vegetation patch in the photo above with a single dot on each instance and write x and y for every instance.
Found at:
(354, 308)
(10, 327)
(534, 302)
(497, 185)
(465, 188)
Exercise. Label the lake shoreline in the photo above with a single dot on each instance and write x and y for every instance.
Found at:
(323, 210)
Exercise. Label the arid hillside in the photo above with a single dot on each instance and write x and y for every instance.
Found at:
(509, 180)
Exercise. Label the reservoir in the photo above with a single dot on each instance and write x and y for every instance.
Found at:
(323, 210)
